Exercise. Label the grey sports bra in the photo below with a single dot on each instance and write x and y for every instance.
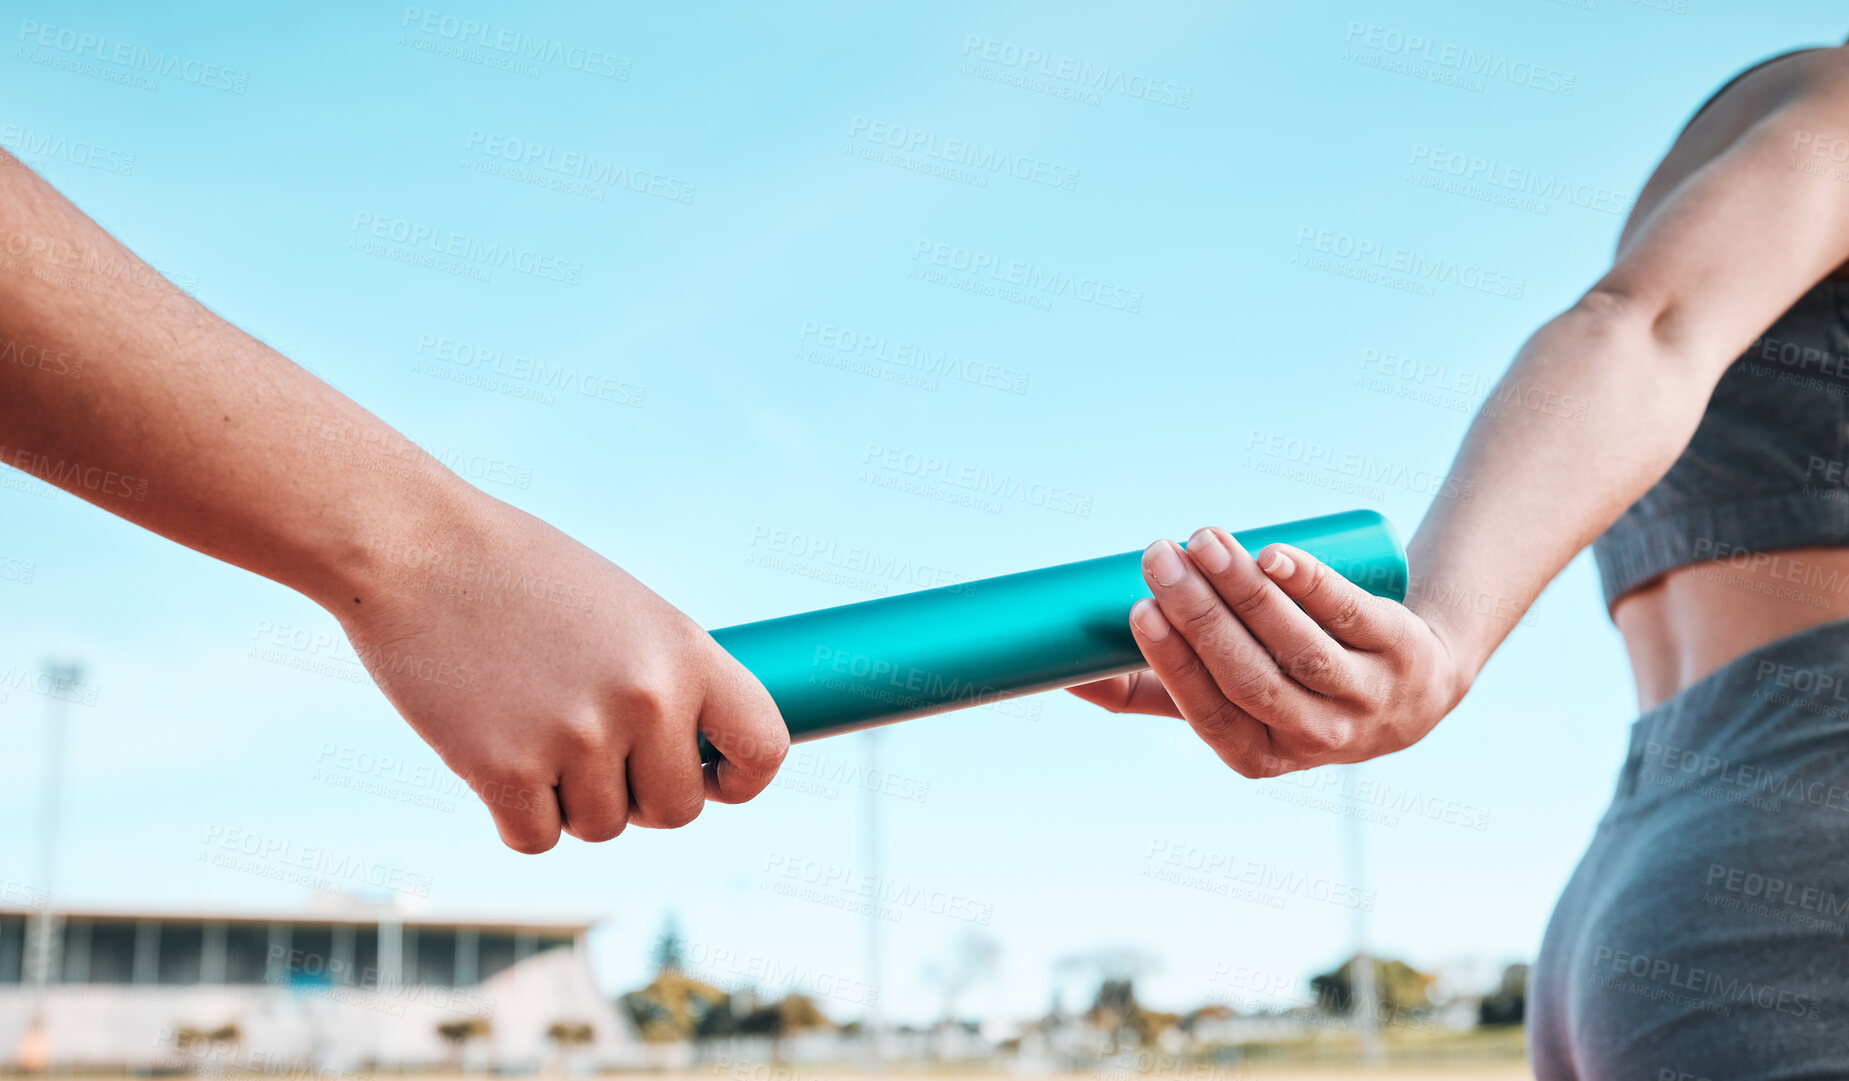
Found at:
(1768, 466)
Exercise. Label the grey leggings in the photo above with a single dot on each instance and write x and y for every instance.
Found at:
(1703, 934)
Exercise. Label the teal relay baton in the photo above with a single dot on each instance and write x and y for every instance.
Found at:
(860, 665)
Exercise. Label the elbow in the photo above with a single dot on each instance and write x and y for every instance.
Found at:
(1615, 306)
(1632, 320)
(1665, 320)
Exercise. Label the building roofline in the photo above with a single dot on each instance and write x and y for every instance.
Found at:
(353, 917)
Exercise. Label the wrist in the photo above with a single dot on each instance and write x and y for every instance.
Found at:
(380, 548)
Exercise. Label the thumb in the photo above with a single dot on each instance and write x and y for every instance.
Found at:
(741, 721)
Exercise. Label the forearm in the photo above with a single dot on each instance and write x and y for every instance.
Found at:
(126, 392)
(1594, 410)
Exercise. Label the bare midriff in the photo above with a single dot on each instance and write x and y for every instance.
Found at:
(1692, 620)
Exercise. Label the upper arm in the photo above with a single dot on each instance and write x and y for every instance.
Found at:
(1743, 236)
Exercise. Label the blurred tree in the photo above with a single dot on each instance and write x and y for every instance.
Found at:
(457, 1035)
(1122, 1019)
(571, 1033)
(791, 1015)
(1507, 1004)
(674, 1007)
(973, 957)
(1400, 988)
(670, 950)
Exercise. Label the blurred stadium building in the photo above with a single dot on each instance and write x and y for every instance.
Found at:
(339, 990)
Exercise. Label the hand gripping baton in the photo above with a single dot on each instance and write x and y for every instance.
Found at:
(860, 665)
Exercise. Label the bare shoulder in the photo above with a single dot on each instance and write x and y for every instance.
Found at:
(1811, 74)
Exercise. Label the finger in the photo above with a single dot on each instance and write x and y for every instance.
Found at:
(1137, 692)
(1304, 650)
(1245, 671)
(594, 793)
(1239, 739)
(666, 787)
(740, 720)
(525, 807)
(1351, 614)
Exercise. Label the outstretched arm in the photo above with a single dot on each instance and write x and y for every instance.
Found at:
(1291, 666)
(561, 689)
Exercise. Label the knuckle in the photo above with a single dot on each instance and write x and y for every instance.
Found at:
(510, 791)
(1319, 577)
(583, 735)
(678, 812)
(639, 702)
(1312, 664)
(1328, 737)
(1398, 632)
(1347, 614)
(1216, 723)
(1255, 690)
(1254, 600)
(1199, 615)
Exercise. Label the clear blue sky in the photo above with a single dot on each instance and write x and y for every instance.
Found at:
(721, 187)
